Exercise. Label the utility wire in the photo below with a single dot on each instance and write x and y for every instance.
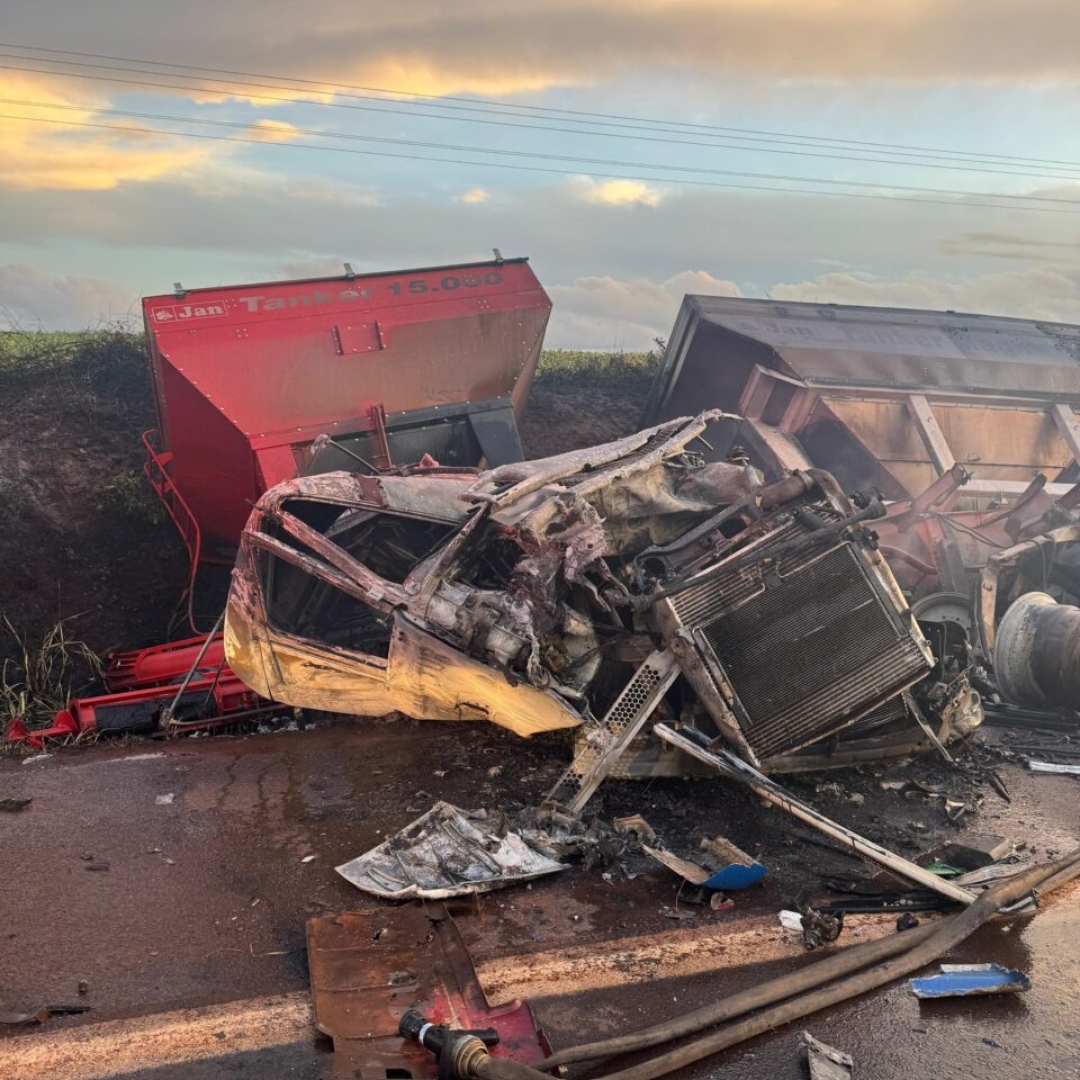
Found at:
(598, 117)
(139, 130)
(534, 155)
(948, 164)
(455, 148)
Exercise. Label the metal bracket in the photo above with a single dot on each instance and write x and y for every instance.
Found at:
(606, 743)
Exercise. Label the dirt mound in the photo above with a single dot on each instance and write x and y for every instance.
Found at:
(83, 536)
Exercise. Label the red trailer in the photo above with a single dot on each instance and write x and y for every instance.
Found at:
(256, 384)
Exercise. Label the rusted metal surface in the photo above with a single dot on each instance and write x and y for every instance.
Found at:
(949, 415)
(368, 968)
(532, 595)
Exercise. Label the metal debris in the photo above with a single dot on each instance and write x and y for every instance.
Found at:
(447, 852)
(593, 590)
(728, 869)
(368, 967)
(820, 928)
(825, 1062)
(729, 765)
(970, 980)
(973, 851)
(1050, 767)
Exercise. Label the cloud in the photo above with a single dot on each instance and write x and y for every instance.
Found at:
(33, 300)
(474, 196)
(36, 153)
(430, 46)
(994, 245)
(608, 313)
(617, 192)
(273, 131)
(1048, 293)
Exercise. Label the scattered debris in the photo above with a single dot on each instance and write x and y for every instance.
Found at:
(13, 806)
(1050, 767)
(727, 868)
(944, 869)
(36, 757)
(447, 852)
(973, 851)
(165, 800)
(819, 928)
(729, 765)
(791, 920)
(907, 921)
(970, 980)
(308, 858)
(98, 865)
(635, 825)
(39, 1016)
(366, 967)
(825, 1062)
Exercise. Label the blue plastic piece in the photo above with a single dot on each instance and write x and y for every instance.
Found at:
(968, 980)
(735, 876)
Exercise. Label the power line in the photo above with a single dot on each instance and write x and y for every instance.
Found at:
(945, 165)
(535, 168)
(537, 156)
(598, 116)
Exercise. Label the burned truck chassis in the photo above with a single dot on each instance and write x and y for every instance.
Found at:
(596, 589)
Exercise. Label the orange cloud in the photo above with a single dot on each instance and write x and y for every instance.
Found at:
(617, 192)
(36, 153)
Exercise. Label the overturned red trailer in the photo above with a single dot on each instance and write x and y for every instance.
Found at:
(256, 384)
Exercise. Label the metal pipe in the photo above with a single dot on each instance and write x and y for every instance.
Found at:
(167, 712)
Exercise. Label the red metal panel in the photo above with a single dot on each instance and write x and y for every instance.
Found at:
(246, 375)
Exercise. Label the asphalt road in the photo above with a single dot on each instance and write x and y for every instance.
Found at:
(171, 878)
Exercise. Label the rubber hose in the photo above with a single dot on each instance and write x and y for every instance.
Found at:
(942, 937)
(843, 962)
(946, 936)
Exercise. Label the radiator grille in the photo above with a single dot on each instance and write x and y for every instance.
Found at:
(806, 651)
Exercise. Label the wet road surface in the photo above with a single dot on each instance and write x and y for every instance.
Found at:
(192, 940)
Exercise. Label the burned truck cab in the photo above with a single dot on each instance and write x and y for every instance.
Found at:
(602, 589)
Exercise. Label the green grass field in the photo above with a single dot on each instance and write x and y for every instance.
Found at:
(29, 352)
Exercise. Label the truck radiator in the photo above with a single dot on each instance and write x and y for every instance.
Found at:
(808, 647)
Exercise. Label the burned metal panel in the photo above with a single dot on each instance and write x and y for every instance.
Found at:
(1002, 442)
(548, 584)
(800, 649)
(835, 344)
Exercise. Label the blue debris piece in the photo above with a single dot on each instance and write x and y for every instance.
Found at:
(970, 980)
(735, 876)
(727, 868)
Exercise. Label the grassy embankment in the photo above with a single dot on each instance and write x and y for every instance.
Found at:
(86, 539)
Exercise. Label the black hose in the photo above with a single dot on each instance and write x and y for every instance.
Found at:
(920, 950)
(813, 975)
(947, 936)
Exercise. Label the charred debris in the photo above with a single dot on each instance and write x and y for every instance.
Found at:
(605, 590)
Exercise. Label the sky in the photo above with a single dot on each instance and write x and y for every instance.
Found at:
(915, 153)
